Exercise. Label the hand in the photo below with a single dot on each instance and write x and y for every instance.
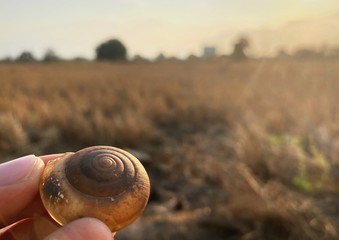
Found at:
(22, 215)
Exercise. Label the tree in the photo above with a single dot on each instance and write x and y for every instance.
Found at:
(26, 57)
(80, 59)
(239, 49)
(7, 59)
(282, 53)
(307, 53)
(161, 57)
(139, 58)
(50, 56)
(112, 50)
(192, 57)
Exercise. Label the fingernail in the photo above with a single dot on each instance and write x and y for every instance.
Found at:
(16, 170)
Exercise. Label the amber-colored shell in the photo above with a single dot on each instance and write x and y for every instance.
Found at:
(102, 182)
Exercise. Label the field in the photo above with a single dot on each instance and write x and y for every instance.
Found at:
(235, 150)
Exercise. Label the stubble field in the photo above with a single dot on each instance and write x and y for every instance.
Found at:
(235, 150)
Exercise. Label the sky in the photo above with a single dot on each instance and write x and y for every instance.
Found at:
(175, 28)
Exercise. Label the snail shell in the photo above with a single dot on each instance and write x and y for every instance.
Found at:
(103, 182)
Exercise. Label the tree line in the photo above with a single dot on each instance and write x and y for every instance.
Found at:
(115, 50)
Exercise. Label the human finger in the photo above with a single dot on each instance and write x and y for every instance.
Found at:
(19, 181)
(34, 228)
(35, 207)
(83, 228)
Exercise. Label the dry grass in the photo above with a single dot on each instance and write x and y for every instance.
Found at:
(238, 150)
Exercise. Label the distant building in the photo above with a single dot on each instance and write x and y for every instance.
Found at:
(209, 52)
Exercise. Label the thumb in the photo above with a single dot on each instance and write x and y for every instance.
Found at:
(19, 181)
(84, 228)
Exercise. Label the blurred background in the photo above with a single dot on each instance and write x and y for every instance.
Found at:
(232, 106)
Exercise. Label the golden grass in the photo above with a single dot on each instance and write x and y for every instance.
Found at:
(256, 142)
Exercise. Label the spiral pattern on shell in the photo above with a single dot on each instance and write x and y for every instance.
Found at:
(103, 182)
(111, 167)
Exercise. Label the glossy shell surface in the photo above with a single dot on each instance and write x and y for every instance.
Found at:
(103, 182)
